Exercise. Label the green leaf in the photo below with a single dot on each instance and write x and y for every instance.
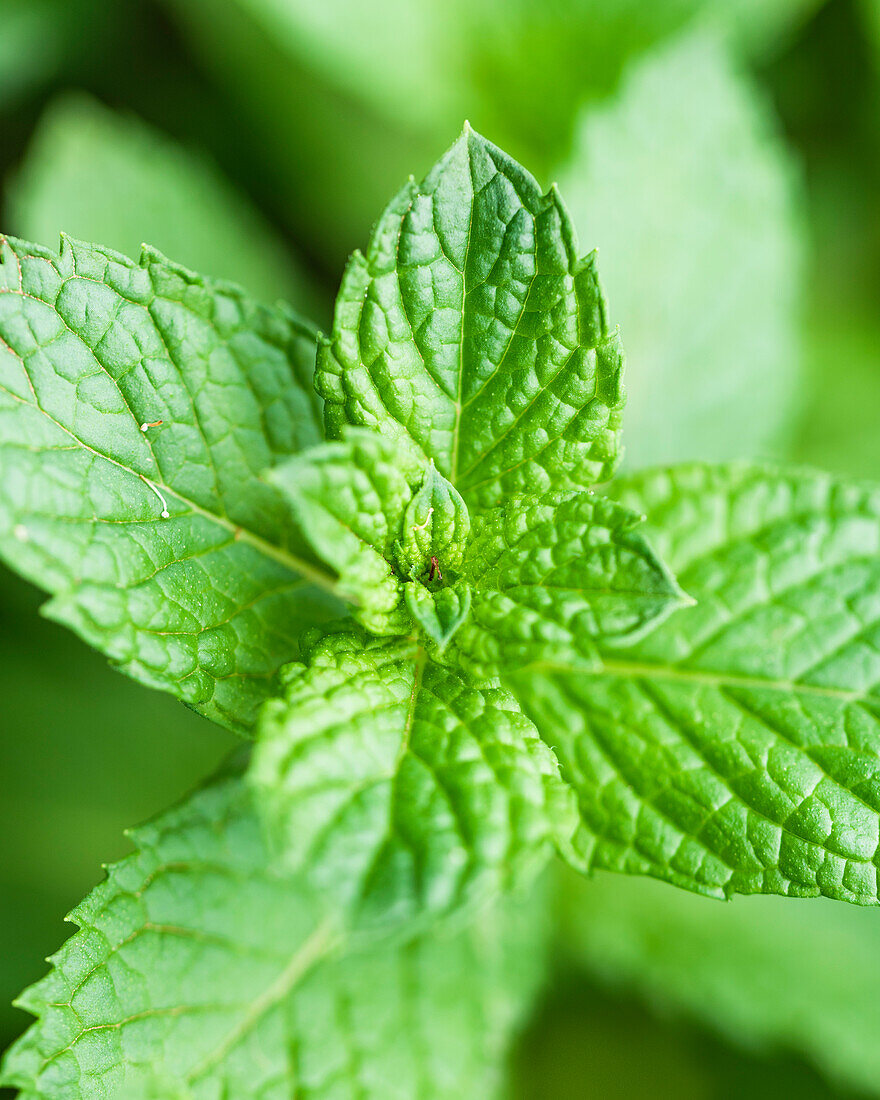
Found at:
(736, 748)
(435, 528)
(684, 184)
(103, 176)
(473, 335)
(200, 971)
(399, 788)
(541, 579)
(535, 66)
(439, 613)
(205, 603)
(767, 975)
(387, 83)
(351, 499)
(553, 576)
(85, 751)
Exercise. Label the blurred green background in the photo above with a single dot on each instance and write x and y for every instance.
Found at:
(725, 157)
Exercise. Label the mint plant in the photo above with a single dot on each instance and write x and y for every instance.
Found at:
(379, 555)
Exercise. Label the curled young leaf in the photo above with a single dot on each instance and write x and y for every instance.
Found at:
(350, 499)
(379, 518)
(435, 529)
(438, 612)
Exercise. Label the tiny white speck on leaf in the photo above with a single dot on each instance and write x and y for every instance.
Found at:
(164, 513)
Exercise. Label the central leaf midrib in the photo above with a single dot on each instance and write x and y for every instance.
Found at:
(453, 462)
(316, 948)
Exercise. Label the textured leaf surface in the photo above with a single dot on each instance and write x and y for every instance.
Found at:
(400, 788)
(72, 780)
(768, 975)
(379, 517)
(438, 613)
(685, 187)
(473, 334)
(435, 529)
(351, 500)
(551, 576)
(736, 748)
(200, 972)
(208, 602)
(108, 177)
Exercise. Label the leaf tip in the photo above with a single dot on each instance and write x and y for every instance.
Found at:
(65, 244)
(469, 136)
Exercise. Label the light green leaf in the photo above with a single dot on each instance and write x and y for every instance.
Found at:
(553, 576)
(438, 612)
(400, 789)
(201, 971)
(435, 529)
(207, 601)
(768, 975)
(351, 500)
(85, 751)
(533, 67)
(473, 335)
(387, 83)
(685, 186)
(736, 748)
(103, 176)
